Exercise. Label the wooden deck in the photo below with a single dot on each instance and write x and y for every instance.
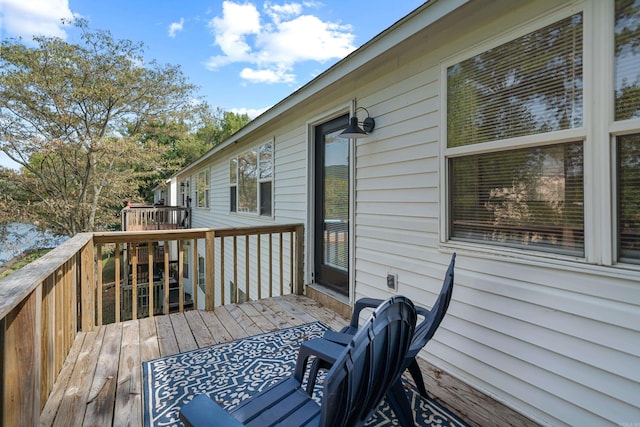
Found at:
(101, 380)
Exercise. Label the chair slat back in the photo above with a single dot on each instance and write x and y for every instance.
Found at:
(426, 330)
(369, 365)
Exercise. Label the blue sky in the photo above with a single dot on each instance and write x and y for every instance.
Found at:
(244, 55)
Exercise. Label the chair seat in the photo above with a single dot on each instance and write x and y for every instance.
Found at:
(285, 402)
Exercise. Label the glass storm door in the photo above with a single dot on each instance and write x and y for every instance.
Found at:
(332, 206)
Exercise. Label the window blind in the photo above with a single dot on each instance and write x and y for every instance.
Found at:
(528, 198)
(530, 85)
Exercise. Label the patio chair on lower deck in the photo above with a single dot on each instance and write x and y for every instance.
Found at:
(369, 365)
(424, 332)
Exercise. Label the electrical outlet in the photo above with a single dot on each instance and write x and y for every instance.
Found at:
(392, 281)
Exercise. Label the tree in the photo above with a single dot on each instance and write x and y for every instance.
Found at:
(73, 117)
(219, 126)
(185, 140)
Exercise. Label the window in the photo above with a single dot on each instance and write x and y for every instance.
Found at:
(250, 181)
(202, 189)
(523, 192)
(627, 107)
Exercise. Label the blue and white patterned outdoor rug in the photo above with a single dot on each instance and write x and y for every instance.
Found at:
(233, 371)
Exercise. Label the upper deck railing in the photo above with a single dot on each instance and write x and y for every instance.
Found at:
(143, 217)
(45, 304)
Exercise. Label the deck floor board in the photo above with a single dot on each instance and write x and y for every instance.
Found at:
(101, 381)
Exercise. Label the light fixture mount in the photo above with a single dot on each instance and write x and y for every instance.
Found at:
(354, 130)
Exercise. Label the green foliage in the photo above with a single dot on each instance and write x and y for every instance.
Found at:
(74, 116)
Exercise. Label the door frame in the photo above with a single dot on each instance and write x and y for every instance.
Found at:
(312, 123)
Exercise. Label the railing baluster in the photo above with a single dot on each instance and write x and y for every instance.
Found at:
(58, 321)
(270, 265)
(48, 361)
(99, 292)
(165, 307)
(246, 267)
(299, 255)
(222, 270)
(151, 294)
(196, 273)
(181, 276)
(234, 297)
(117, 281)
(259, 266)
(281, 275)
(134, 281)
(209, 278)
(291, 261)
(69, 335)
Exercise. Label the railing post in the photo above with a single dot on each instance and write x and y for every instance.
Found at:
(22, 347)
(88, 287)
(298, 285)
(209, 280)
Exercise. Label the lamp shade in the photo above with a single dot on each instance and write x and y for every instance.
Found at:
(353, 130)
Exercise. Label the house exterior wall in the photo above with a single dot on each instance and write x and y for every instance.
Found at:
(557, 338)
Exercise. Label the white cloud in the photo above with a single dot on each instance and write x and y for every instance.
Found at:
(35, 17)
(275, 75)
(251, 112)
(279, 12)
(237, 22)
(175, 27)
(275, 41)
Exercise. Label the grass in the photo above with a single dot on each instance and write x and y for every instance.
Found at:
(27, 258)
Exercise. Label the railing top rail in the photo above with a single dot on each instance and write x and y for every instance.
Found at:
(250, 230)
(185, 234)
(154, 208)
(148, 235)
(15, 287)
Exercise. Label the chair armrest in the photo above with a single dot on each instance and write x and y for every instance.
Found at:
(338, 337)
(361, 304)
(202, 411)
(326, 351)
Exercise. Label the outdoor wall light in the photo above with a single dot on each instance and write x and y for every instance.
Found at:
(354, 130)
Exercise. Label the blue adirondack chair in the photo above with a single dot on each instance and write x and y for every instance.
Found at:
(424, 332)
(360, 376)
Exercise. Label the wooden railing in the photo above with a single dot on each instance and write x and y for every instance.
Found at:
(45, 304)
(40, 313)
(137, 218)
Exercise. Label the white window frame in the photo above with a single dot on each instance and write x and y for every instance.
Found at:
(259, 180)
(580, 134)
(599, 133)
(203, 178)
